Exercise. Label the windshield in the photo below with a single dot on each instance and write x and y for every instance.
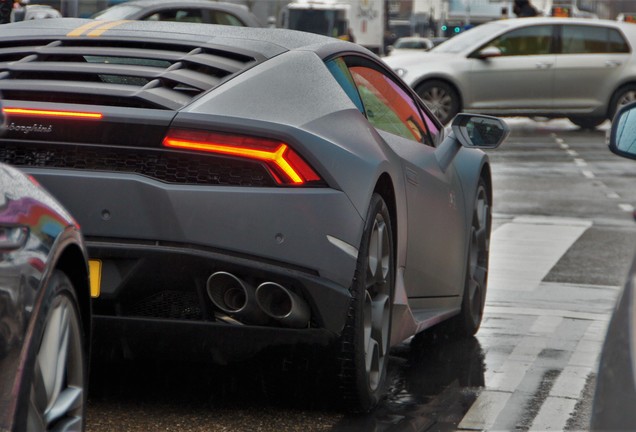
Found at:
(317, 21)
(117, 12)
(469, 38)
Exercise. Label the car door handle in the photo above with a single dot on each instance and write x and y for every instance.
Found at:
(613, 63)
(543, 65)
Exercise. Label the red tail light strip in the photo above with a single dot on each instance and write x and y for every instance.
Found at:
(51, 113)
(278, 156)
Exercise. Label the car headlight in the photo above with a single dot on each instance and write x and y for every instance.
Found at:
(401, 72)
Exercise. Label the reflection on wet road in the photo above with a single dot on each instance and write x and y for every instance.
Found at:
(434, 383)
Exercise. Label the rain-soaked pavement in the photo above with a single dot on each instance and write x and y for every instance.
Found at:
(562, 241)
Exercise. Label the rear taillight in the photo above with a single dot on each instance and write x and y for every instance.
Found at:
(285, 165)
(25, 112)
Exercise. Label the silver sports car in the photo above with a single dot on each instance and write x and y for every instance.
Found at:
(241, 188)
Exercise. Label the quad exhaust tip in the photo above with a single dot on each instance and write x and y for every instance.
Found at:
(235, 297)
(283, 305)
(257, 306)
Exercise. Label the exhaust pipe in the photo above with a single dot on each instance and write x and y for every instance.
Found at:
(235, 297)
(283, 305)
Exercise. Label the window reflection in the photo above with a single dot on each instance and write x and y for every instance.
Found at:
(387, 106)
(626, 132)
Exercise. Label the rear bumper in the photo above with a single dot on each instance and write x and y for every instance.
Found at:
(168, 282)
(295, 226)
(185, 340)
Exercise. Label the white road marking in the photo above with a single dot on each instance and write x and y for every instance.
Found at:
(613, 195)
(588, 174)
(626, 207)
(536, 242)
(483, 413)
(580, 162)
(572, 153)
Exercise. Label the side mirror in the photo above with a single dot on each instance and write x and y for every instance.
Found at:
(623, 133)
(489, 52)
(480, 131)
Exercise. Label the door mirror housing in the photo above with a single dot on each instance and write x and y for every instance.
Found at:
(489, 52)
(480, 131)
(622, 139)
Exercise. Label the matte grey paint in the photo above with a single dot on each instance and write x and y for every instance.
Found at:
(324, 127)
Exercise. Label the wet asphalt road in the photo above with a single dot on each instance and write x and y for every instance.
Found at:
(531, 366)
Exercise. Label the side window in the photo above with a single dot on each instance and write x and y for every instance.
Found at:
(387, 106)
(534, 40)
(340, 72)
(180, 15)
(591, 40)
(224, 18)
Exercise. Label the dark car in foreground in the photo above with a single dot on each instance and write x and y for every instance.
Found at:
(44, 310)
(194, 11)
(615, 395)
(244, 188)
(576, 68)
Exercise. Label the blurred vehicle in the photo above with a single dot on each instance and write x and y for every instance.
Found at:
(408, 44)
(536, 67)
(615, 394)
(193, 11)
(29, 11)
(44, 310)
(352, 20)
(252, 188)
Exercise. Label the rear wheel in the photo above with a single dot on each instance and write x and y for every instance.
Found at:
(625, 95)
(441, 98)
(57, 382)
(472, 310)
(364, 345)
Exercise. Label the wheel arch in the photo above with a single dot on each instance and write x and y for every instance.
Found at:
(610, 103)
(78, 275)
(385, 188)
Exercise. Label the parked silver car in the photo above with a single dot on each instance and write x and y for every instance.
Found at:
(192, 11)
(549, 67)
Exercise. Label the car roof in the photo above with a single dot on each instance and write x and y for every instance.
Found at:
(267, 42)
(155, 63)
(240, 11)
(145, 3)
(516, 22)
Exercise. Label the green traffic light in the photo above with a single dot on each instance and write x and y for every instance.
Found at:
(444, 28)
(457, 29)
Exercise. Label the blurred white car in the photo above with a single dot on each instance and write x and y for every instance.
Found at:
(580, 69)
(409, 44)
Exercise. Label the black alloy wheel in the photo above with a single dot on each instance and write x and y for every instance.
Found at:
(365, 342)
(56, 384)
(441, 98)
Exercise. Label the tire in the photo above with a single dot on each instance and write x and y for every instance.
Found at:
(587, 122)
(441, 98)
(622, 97)
(469, 319)
(58, 363)
(365, 341)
